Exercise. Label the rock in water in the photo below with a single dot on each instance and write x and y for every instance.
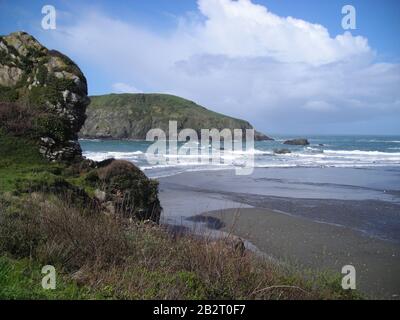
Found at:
(297, 142)
(282, 151)
(51, 86)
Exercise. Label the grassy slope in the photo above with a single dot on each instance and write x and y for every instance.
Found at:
(98, 256)
(160, 104)
(23, 168)
(20, 160)
(21, 279)
(130, 116)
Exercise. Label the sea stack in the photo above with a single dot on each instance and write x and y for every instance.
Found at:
(297, 142)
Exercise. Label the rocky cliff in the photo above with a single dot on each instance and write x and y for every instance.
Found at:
(51, 86)
(131, 116)
(43, 99)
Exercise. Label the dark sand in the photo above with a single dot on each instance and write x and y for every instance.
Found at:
(337, 217)
(318, 246)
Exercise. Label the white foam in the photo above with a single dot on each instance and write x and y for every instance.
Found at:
(102, 155)
(305, 157)
(361, 153)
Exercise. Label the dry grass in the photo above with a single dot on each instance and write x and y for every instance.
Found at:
(122, 259)
(16, 119)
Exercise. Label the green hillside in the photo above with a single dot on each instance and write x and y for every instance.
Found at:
(131, 116)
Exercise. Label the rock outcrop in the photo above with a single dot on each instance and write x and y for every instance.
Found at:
(131, 116)
(124, 189)
(43, 98)
(52, 86)
(297, 142)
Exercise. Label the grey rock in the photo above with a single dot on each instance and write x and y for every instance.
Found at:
(282, 151)
(297, 142)
(23, 57)
(9, 76)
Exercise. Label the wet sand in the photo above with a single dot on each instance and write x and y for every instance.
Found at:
(318, 246)
(332, 217)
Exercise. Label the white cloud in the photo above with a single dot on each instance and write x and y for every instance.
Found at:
(241, 28)
(238, 58)
(120, 87)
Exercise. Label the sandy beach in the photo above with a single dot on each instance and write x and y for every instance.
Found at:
(336, 225)
(317, 246)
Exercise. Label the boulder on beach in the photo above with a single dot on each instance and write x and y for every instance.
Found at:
(297, 142)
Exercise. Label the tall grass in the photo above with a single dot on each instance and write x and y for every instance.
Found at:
(118, 258)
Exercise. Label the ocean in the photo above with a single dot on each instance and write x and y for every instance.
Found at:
(349, 181)
(323, 151)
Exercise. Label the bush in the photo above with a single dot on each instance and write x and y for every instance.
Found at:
(128, 187)
(8, 94)
(53, 232)
(55, 127)
(16, 119)
(117, 258)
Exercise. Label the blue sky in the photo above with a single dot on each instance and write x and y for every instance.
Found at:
(243, 58)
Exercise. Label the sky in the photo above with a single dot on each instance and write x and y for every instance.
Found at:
(287, 66)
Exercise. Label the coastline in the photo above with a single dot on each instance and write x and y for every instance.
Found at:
(321, 233)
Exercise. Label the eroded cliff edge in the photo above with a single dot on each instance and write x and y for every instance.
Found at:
(43, 100)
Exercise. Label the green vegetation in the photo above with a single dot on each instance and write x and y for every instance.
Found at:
(21, 163)
(100, 256)
(21, 279)
(20, 160)
(132, 115)
(8, 94)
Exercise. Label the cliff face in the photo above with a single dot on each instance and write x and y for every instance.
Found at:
(131, 116)
(50, 86)
(43, 98)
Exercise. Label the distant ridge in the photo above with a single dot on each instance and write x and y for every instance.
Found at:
(131, 116)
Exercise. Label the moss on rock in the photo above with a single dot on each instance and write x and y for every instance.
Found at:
(43, 98)
(50, 83)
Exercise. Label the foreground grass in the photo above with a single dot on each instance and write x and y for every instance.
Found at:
(21, 279)
(21, 163)
(106, 257)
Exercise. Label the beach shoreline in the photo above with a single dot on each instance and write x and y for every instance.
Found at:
(312, 247)
(314, 234)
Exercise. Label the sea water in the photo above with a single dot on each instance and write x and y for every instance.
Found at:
(323, 151)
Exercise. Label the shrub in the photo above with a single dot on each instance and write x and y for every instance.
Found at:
(53, 232)
(116, 258)
(55, 127)
(8, 94)
(16, 119)
(128, 187)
